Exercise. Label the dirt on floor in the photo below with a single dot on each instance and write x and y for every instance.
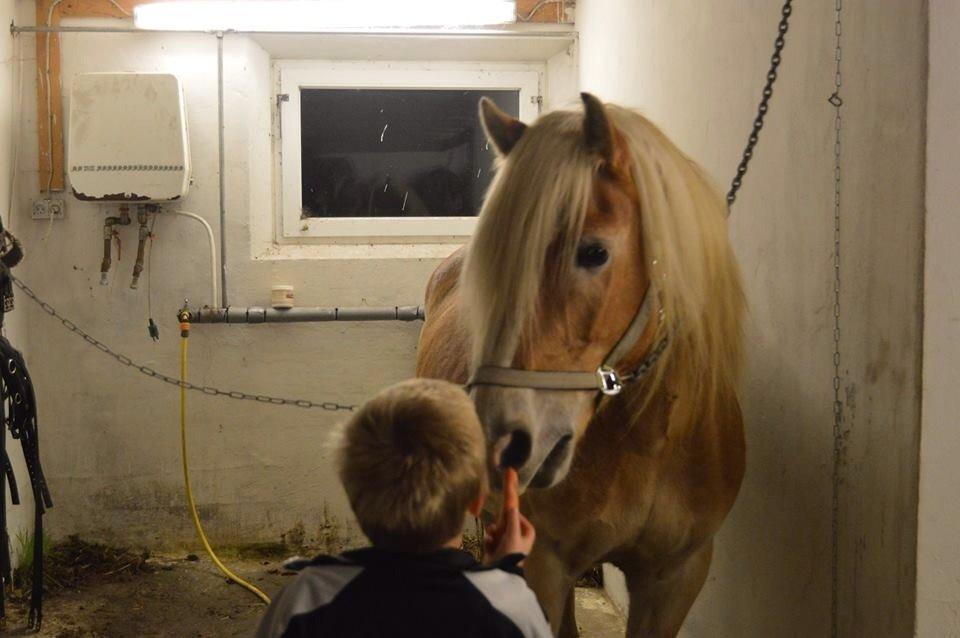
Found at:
(167, 597)
(128, 594)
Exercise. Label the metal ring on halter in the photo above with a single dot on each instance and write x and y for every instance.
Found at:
(610, 383)
(12, 366)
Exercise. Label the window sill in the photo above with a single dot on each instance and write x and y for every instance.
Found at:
(279, 252)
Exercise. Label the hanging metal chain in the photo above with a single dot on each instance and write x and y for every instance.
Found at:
(775, 59)
(330, 406)
(838, 429)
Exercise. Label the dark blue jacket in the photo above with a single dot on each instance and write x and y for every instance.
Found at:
(373, 593)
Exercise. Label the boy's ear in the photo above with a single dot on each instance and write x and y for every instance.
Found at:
(476, 505)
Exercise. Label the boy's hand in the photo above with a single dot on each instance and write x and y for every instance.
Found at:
(513, 533)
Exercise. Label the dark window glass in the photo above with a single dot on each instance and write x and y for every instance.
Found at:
(395, 152)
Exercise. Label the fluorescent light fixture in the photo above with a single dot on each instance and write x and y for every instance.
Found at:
(320, 15)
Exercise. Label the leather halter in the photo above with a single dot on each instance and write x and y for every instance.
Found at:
(604, 379)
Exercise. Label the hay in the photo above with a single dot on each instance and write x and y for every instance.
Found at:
(73, 563)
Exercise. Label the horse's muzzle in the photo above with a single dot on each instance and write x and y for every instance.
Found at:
(555, 463)
(514, 449)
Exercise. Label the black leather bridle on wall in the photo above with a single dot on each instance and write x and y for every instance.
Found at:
(18, 413)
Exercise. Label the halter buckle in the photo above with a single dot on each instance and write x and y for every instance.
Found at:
(609, 380)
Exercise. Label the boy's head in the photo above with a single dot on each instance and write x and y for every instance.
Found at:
(413, 462)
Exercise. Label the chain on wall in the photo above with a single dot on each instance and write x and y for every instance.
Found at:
(145, 370)
(764, 105)
(838, 433)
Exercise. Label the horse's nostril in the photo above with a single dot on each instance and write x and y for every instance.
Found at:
(517, 451)
(558, 450)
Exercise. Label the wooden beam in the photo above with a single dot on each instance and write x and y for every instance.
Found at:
(544, 11)
(49, 89)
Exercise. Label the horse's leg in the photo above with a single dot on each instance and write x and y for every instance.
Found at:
(568, 624)
(552, 582)
(659, 603)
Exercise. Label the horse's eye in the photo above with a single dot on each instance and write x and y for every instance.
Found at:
(592, 255)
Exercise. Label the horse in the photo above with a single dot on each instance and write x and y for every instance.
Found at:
(595, 315)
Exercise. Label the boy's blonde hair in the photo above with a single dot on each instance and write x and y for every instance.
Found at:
(412, 460)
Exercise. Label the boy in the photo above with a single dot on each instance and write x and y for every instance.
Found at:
(413, 462)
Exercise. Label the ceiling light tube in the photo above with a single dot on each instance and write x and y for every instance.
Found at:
(320, 15)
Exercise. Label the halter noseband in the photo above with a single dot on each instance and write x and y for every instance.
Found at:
(604, 379)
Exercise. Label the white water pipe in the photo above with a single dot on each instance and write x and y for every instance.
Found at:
(214, 299)
(214, 314)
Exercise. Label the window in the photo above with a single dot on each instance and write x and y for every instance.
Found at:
(387, 152)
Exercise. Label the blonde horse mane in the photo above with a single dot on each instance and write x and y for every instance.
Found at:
(534, 213)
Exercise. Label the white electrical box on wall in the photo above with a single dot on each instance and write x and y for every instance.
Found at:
(128, 138)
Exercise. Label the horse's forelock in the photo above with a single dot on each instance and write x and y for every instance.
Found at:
(536, 206)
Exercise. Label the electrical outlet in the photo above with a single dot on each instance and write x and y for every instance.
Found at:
(57, 208)
(48, 207)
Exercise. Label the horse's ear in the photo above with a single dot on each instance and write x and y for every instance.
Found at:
(503, 130)
(597, 128)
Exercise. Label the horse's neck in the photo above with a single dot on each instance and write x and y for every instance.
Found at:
(636, 419)
(642, 417)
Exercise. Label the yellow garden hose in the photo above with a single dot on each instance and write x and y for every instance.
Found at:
(184, 333)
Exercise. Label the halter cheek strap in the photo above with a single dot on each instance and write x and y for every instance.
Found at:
(604, 379)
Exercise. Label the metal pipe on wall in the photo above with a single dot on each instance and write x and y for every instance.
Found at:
(223, 187)
(256, 314)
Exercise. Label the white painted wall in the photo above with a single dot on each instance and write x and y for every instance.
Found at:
(19, 518)
(111, 438)
(111, 442)
(562, 79)
(938, 551)
(697, 68)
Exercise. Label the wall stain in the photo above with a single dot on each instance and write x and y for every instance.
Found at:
(295, 537)
(332, 537)
(879, 365)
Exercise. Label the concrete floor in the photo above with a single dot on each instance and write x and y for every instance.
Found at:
(596, 616)
(190, 599)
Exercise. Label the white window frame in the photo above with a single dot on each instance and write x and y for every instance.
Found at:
(294, 75)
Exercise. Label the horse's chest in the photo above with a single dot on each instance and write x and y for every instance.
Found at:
(622, 493)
